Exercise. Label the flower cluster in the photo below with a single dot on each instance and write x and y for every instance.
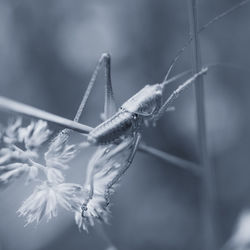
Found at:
(19, 156)
(20, 150)
(90, 202)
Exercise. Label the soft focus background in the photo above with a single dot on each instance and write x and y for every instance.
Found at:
(48, 50)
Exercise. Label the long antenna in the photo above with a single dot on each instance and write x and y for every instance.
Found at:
(215, 19)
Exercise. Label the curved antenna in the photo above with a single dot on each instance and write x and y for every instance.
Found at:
(215, 19)
(176, 77)
(210, 65)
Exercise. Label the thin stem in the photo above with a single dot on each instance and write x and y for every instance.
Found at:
(184, 164)
(10, 105)
(213, 20)
(208, 194)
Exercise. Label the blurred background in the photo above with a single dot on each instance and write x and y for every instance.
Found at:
(48, 51)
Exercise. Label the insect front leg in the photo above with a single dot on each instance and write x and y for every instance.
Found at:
(177, 92)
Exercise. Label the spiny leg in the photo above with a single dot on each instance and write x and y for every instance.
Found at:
(109, 102)
(89, 185)
(125, 167)
(109, 105)
(176, 93)
(97, 160)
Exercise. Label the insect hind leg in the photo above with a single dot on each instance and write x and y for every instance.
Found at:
(109, 105)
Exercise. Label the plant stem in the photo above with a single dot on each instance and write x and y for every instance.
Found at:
(179, 162)
(10, 105)
(208, 190)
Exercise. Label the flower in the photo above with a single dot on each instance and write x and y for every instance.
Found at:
(11, 154)
(54, 175)
(12, 171)
(34, 135)
(11, 132)
(59, 152)
(32, 173)
(45, 198)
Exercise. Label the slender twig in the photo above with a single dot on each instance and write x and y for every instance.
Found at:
(10, 105)
(175, 160)
(208, 194)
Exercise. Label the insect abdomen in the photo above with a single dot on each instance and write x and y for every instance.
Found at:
(120, 124)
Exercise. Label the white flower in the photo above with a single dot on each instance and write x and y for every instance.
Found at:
(11, 132)
(43, 201)
(83, 222)
(12, 171)
(32, 173)
(34, 135)
(13, 153)
(54, 175)
(59, 152)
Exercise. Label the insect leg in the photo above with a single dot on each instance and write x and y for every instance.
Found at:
(89, 185)
(178, 91)
(86, 94)
(109, 105)
(109, 102)
(96, 161)
(125, 167)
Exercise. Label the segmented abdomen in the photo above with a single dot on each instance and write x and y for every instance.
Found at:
(121, 123)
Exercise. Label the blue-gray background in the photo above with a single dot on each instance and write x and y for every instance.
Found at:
(48, 50)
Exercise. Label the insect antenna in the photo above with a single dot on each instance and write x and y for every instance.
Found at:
(208, 66)
(215, 19)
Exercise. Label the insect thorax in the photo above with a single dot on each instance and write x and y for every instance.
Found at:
(130, 117)
(146, 102)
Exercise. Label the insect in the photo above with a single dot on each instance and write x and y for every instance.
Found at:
(118, 137)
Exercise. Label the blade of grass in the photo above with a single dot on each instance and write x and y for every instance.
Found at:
(184, 164)
(10, 105)
(208, 190)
